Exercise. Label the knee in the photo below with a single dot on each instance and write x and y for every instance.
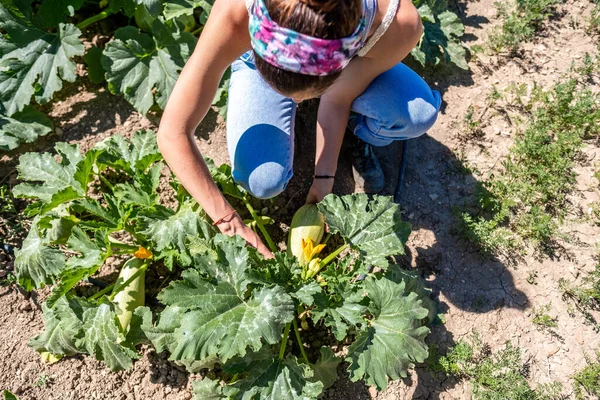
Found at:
(423, 115)
(419, 115)
(265, 181)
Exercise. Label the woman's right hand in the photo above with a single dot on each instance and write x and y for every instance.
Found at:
(236, 226)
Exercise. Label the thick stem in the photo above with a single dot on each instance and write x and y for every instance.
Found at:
(260, 225)
(128, 281)
(299, 339)
(106, 182)
(332, 256)
(98, 17)
(126, 248)
(197, 31)
(286, 334)
(102, 292)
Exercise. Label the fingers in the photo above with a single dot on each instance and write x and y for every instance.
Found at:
(254, 240)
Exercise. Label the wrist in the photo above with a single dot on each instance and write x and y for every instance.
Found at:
(231, 225)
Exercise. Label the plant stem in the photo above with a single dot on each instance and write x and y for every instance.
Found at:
(332, 256)
(128, 281)
(197, 31)
(98, 17)
(299, 339)
(124, 246)
(286, 333)
(260, 225)
(327, 238)
(102, 292)
(106, 182)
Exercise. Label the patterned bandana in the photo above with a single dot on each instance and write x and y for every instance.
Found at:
(292, 51)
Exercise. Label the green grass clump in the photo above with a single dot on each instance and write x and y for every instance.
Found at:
(587, 381)
(542, 320)
(520, 23)
(527, 199)
(585, 296)
(497, 376)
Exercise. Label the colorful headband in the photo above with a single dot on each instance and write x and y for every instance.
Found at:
(296, 52)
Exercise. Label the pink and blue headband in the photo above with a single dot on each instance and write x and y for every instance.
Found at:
(296, 52)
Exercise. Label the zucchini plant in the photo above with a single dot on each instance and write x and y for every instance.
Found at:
(43, 40)
(224, 307)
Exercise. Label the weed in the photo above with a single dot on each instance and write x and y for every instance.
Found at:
(542, 320)
(472, 124)
(7, 205)
(8, 280)
(10, 218)
(586, 296)
(527, 198)
(587, 381)
(593, 26)
(588, 67)
(502, 375)
(520, 23)
(43, 380)
(532, 278)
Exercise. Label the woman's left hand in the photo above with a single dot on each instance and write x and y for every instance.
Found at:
(319, 189)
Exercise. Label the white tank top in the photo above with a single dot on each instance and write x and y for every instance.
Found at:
(370, 8)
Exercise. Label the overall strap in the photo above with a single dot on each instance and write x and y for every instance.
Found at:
(385, 24)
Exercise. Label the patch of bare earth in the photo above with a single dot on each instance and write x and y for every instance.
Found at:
(492, 297)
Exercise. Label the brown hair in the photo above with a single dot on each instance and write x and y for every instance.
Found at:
(327, 19)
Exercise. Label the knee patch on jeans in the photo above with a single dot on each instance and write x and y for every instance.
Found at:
(265, 181)
(418, 117)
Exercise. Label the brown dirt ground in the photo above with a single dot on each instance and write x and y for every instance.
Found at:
(491, 296)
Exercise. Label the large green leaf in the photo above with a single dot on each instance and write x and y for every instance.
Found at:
(221, 320)
(339, 314)
(169, 231)
(154, 7)
(37, 264)
(52, 12)
(371, 226)
(63, 323)
(441, 38)
(33, 62)
(131, 155)
(144, 69)
(78, 267)
(6, 395)
(275, 379)
(104, 340)
(162, 335)
(435, 6)
(93, 61)
(394, 338)
(176, 8)
(415, 284)
(325, 369)
(208, 389)
(23, 127)
(53, 176)
(228, 260)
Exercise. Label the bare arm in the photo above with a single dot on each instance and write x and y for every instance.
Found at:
(334, 109)
(224, 39)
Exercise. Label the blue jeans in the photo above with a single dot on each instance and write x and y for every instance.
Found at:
(398, 105)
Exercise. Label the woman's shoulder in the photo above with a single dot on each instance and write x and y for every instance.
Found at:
(230, 13)
(403, 25)
(407, 20)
